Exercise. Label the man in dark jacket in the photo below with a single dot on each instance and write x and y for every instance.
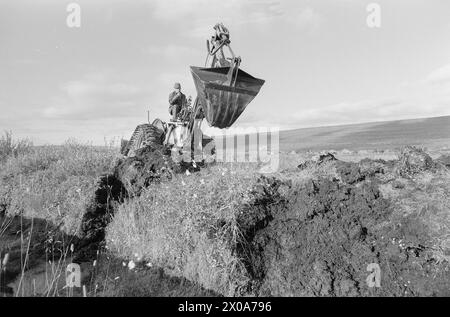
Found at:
(177, 101)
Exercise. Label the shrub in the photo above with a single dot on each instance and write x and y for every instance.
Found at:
(13, 148)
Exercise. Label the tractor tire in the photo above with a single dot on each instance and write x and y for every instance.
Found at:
(143, 136)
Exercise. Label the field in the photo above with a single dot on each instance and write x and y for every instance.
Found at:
(432, 133)
(344, 198)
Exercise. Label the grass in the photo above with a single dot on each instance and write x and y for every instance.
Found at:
(430, 132)
(9, 147)
(49, 186)
(189, 225)
(53, 182)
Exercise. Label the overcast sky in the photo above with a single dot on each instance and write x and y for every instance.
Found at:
(322, 64)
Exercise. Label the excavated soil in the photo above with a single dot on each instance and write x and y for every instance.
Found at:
(318, 238)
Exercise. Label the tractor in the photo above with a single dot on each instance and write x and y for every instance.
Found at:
(223, 92)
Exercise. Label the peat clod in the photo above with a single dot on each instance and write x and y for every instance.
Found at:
(413, 160)
(319, 160)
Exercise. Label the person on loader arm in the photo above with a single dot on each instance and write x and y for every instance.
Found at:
(177, 101)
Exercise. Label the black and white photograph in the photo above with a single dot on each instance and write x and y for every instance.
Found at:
(224, 155)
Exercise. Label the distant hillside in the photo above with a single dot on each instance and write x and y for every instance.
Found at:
(428, 132)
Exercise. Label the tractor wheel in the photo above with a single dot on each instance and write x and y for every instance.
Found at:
(143, 136)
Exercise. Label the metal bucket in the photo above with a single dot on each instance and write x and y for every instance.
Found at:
(222, 103)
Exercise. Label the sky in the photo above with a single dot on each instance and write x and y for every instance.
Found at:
(322, 63)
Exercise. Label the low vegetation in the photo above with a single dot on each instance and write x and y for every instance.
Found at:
(9, 147)
(53, 182)
(44, 191)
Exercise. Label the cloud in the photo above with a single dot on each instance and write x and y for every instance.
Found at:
(440, 75)
(305, 19)
(424, 98)
(173, 51)
(177, 9)
(95, 96)
(199, 16)
(428, 97)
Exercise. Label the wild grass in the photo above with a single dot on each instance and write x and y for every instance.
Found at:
(426, 197)
(189, 227)
(46, 185)
(10, 147)
(53, 182)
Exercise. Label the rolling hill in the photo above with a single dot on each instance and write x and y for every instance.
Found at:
(427, 132)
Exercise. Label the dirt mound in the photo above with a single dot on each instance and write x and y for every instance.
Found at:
(318, 238)
(321, 159)
(444, 160)
(321, 243)
(352, 173)
(149, 164)
(413, 160)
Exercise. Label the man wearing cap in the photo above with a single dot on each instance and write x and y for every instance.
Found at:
(177, 101)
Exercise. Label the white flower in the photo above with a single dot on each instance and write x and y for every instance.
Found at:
(188, 173)
(131, 265)
(149, 264)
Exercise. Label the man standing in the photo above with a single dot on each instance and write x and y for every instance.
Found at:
(177, 101)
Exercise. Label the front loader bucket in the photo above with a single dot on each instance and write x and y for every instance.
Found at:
(222, 103)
